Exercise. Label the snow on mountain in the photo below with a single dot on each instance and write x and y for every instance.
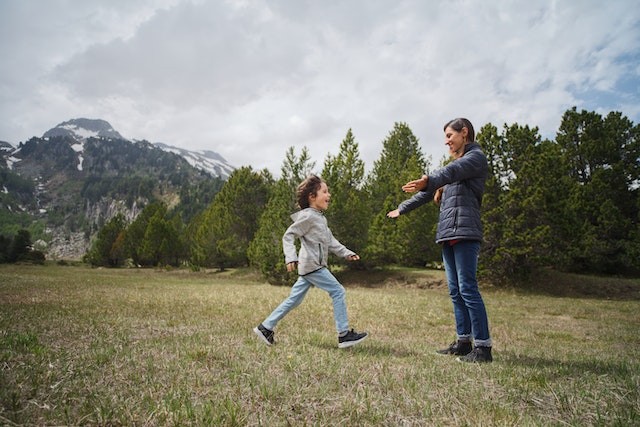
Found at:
(6, 152)
(11, 160)
(79, 148)
(82, 129)
(5, 146)
(206, 160)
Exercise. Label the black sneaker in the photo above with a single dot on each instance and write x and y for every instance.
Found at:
(457, 348)
(264, 334)
(351, 338)
(478, 355)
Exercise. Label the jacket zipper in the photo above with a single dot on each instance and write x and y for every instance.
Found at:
(455, 222)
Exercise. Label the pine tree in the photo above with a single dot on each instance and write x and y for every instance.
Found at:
(349, 215)
(519, 235)
(569, 204)
(492, 206)
(604, 158)
(154, 234)
(407, 240)
(20, 246)
(178, 252)
(102, 252)
(230, 222)
(118, 250)
(265, 250)
(296, 168)
(5, 249)
(137, 229)
(159, 236)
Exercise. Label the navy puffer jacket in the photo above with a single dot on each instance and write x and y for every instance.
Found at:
(463, 181)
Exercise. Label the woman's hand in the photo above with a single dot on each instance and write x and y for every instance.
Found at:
(437, 197)
(394, 213)
(416, 185)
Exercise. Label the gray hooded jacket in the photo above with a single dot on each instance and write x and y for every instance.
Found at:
(310, 226)
(463, 181)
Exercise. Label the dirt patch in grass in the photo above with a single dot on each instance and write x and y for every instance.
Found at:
(544, 282)
(569, 285)
(393, 278)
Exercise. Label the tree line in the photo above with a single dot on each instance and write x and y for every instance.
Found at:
(19, 248)
(571, 203)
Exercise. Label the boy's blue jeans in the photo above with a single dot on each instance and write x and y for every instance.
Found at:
(460, 264)
(322, 279)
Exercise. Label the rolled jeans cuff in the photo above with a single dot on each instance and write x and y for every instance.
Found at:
(482, 343)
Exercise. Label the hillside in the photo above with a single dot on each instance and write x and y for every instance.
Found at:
(82, 129)
(65, 185)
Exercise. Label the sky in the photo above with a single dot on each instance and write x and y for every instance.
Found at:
(249, 79)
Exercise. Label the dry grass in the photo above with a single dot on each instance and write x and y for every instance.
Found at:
(142, 347)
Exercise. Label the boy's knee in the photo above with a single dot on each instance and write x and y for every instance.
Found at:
(338, 292)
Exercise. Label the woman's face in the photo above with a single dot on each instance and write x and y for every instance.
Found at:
(455, 141)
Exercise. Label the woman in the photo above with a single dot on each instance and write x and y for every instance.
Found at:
(460, 234)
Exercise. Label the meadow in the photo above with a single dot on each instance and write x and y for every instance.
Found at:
(81, 346)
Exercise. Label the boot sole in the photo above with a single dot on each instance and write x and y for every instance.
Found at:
(348, 344)
(262, 337)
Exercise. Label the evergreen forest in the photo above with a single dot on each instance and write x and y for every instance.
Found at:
(570, 204)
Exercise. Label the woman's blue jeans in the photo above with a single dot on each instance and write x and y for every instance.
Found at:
(460, 264)
(322, 279)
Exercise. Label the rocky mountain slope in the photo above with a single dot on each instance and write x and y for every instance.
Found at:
(82, 129)
(65, 185)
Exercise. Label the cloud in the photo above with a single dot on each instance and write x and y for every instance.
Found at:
(250, 79)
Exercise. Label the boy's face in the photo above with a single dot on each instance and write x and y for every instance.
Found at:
(320, 200)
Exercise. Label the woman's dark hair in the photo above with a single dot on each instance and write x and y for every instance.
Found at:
(458, 124)
(308, 187)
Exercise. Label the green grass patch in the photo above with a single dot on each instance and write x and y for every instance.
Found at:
(155, 347)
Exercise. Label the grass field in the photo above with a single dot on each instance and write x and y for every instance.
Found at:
(82, 346)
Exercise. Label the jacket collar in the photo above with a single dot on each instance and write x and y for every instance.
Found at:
(471, 146)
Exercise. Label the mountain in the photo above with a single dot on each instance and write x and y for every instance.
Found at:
(5, 146)
(206, 160)
(65, 185)
(81, 129)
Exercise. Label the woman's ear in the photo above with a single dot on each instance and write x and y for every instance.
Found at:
(465, 133)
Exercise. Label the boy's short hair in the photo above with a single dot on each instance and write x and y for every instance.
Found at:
(308, 187)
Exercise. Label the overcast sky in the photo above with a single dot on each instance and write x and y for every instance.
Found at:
(249, 79)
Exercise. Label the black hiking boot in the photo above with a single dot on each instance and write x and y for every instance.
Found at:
(457, 348)
(478, 355)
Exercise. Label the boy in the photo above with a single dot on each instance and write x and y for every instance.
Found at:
(310, 226)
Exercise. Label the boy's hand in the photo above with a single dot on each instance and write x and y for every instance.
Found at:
(354, 257)
(292, 266)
